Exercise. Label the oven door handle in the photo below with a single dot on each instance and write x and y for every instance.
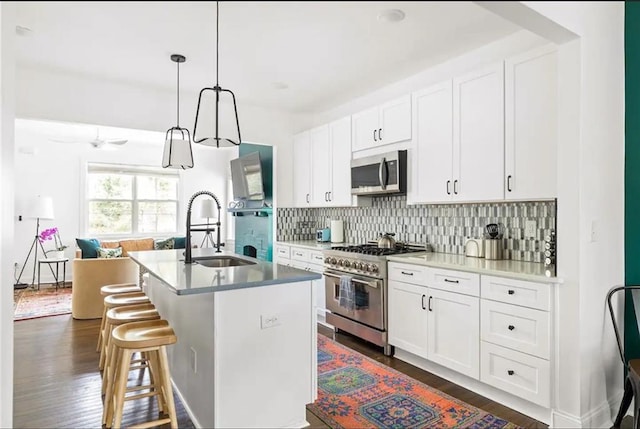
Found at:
(355, 280)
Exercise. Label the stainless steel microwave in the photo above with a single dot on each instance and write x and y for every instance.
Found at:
(380, 174)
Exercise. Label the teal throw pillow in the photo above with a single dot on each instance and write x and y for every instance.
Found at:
(164, 244)
(110, 253)
(89, 247)
(179, 242)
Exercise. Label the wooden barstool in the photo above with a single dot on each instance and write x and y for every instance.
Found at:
(119, 300)
(150, 337)
(118, 316)
(114, 289)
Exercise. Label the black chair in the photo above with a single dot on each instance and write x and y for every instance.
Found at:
(632, 366)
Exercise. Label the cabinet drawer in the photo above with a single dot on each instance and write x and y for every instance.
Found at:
(315, 257)
(517, 373)
(283, 261)
(455, 281)
(407, 273)
(518, 328)
(300, 254)
(283, 251)
(519, 292)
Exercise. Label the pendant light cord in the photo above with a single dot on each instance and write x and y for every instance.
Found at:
(178, 96)
(217, 40)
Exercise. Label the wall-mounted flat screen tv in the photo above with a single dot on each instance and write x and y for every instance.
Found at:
(246, 178)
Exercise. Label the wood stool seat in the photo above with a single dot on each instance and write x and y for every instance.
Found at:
(121, 299)
(150, 337)
(114, 289)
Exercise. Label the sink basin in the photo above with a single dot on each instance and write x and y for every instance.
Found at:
(221, 261)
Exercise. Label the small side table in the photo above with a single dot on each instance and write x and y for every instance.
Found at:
(56, 261)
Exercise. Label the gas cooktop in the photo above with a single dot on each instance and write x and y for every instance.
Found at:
(373, 249)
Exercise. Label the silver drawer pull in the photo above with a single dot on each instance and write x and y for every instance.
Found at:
(451, 281)
(511, 327)
(511, 372)
(511, 291)
(406, 273)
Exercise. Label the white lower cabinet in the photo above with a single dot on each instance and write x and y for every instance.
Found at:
(495, 330)
(304, 258)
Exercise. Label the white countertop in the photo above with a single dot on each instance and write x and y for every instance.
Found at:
(504, 268)
(312, 244)
(183, 279)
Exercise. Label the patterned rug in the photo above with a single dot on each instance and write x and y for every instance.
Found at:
(355, 391)
(31, 304)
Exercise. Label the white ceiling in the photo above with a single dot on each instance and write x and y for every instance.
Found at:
(326, 52)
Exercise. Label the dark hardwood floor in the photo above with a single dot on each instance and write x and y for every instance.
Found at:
(57, 383)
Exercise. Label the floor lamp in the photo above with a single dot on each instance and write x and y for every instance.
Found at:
(208, 209)
(40, 208)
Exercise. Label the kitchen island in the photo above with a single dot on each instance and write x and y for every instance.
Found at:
(247, 341)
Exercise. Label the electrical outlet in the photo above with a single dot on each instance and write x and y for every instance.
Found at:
(530, 229)
(269, 321)
(194, 361)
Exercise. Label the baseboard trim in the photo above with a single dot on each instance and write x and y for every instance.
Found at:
(195, 421)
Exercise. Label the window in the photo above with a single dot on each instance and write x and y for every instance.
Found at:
(131, 200)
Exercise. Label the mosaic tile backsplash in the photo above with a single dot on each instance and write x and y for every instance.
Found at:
(444, 227)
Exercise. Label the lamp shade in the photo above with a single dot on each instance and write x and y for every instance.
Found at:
(177, 154)
(207, 209)
(41, 207)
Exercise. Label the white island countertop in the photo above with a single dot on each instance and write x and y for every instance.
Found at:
(185, 279)
(504, 268)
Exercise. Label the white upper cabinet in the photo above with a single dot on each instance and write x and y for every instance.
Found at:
(531, 125)
(302, 169)
(340, 162)
(478, 135)
(320, 165)
(384, 124)
(432, 168)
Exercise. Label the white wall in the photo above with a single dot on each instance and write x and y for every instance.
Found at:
(7, 107)
(49, 94)
(591, 198)
(58, 170)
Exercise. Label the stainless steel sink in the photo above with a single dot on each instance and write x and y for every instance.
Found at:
(221, 261)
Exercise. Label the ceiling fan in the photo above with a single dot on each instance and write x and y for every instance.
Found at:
(97, 142)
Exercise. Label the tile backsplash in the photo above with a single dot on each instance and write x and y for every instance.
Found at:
(444, 227)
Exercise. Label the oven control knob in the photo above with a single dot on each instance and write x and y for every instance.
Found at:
(341, 262)
(374, 268)
(333, 261)
(357, 265)
(367, 268)
(327, 260)
(347, 264)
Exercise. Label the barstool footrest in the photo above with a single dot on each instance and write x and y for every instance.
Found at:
(141, 395)
(148, 386)
(151, 424)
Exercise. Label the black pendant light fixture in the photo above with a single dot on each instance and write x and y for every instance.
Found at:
(216, 140)
(177, 145)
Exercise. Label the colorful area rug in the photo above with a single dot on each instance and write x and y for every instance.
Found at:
(355, 391)
(31, 304)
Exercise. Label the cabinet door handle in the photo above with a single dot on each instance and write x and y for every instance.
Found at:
(455, 186)
(509, 183)
(430, 309)
(451, 281)
(326, 196)
(511, 327)
(330, 197)
(307, 198)
(423, 307)
(380, 134)
(448, 190)
(374, 136)
(511, 291)
(511, 372)
(406, 273)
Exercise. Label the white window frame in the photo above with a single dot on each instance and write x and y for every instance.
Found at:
(134, 170)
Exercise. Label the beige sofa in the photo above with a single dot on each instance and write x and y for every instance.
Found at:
(89, 275)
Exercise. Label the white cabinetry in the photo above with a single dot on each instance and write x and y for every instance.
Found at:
(531, 125)
(339, 193)
(384, 124)
(320, 165)
(438, 325)
(302, 169)
(459, 139)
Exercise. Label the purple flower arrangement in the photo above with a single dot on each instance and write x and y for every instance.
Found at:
(52, 234)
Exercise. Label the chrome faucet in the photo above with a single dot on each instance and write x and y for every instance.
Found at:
(187, 251)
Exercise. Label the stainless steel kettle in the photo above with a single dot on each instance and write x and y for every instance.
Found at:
(386, 240)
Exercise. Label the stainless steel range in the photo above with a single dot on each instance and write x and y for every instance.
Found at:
(364, 268)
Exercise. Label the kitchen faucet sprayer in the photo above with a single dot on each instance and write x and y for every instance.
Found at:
(187, 250)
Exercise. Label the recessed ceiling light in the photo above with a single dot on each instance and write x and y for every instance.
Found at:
(391, 15)
(280, 85)
(23, 31)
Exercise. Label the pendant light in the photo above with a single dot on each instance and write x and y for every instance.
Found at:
(216, 140)
(177, 151)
